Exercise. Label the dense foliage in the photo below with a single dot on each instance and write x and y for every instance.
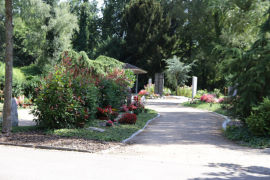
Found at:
(71, 94)
(259, 120)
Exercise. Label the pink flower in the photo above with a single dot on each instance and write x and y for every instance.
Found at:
(220, 100)
(209, 98)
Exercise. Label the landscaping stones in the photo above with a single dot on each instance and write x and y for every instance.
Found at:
(96, 129)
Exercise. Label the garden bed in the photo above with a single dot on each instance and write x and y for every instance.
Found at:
(77, 139)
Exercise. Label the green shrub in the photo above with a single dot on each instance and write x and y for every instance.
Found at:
(69, 96)
(184, 91)
(167, 91)
(18, 80)
(31, 70)
(65, 100)
(259, 120)
(200, 93)
(111, 94)
(31, 85)
(217, 93)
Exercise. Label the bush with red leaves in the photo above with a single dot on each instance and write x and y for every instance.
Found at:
(128, 118)
(209, 98)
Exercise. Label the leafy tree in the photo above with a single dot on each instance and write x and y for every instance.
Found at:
(177, 71)
(251, 72)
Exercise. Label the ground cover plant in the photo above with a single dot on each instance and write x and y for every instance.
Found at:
(245, 137)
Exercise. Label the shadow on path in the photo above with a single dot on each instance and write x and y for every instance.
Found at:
(237, 172)
(179, 125)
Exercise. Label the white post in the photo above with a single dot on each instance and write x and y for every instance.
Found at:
(194, 86)
(150, 81)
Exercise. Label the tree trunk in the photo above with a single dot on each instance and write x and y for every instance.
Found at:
(8, 73)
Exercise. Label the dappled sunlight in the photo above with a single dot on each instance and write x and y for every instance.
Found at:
(235, 172)
(180, 125)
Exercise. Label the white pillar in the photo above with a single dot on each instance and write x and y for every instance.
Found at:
(194, 86)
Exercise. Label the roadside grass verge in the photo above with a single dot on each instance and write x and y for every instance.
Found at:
(214, 107)
(116, 133)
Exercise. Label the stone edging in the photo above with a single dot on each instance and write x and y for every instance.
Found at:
(227, 120)
(224, 124)
(139, 131)
(44, 147)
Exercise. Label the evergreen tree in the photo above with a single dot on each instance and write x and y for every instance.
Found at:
(252, 72)
(147, 36)
(87, 38)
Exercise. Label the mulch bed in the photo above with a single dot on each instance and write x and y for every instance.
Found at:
(40, 140)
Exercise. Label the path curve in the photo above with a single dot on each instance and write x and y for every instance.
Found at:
(194, 137)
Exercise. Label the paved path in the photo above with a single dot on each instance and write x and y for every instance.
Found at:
(184, 143)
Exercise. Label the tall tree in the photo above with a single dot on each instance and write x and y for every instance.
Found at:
(147, 37)
(60, 27)
(251, 72)
(87, 37)
(9, 65)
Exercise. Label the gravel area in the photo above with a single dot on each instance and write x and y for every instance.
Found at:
(36, 139)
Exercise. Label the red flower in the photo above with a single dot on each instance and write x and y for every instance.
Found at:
(128, 118)
(110, 122)
(142, 92)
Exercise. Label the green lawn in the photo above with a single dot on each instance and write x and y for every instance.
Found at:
(214, 107)
(115, 133)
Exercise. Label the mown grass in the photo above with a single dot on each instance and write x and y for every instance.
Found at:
(115, 133)
(214, 107)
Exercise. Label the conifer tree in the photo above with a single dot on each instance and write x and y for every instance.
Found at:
(147, 36)
(253, 72)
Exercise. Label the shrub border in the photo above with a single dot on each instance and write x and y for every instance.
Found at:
(140, 130)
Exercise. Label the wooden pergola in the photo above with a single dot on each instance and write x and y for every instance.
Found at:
(136, 71)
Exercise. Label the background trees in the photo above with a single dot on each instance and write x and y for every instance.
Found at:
(219, 35)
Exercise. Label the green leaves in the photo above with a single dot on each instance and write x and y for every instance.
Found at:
(177, 72)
